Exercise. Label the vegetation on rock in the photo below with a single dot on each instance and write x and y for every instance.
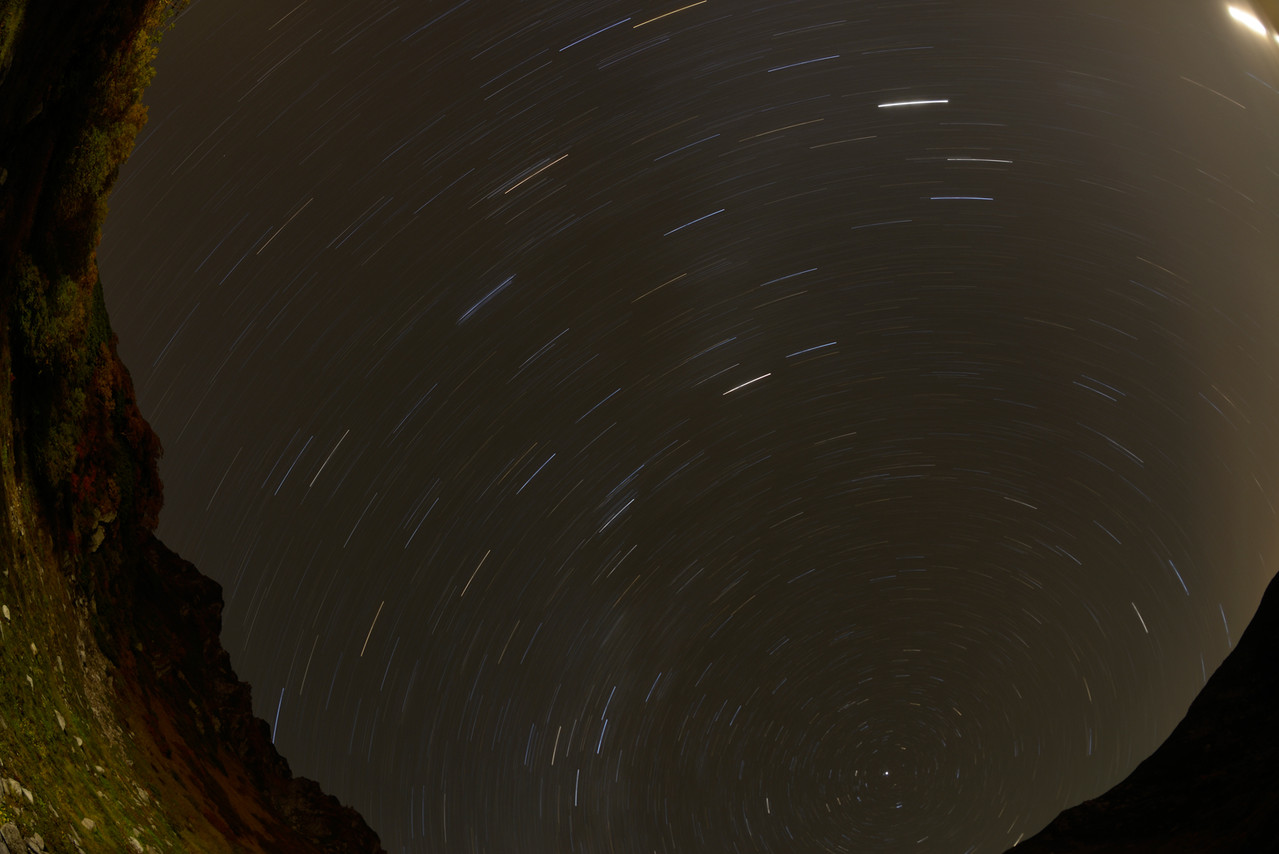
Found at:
(122, 724)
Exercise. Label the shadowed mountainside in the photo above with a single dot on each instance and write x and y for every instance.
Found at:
(1213, 786)
(122, 725)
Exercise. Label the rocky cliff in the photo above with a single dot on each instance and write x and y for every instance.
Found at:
(122, 724)
(1213, 786)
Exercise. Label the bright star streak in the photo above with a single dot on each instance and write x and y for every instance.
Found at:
(913, 103)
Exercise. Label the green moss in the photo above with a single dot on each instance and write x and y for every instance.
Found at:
(52, 326)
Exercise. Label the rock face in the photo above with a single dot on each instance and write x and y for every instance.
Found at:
(12, 839)
(223, 753)
(144, 740)
(1213, 786)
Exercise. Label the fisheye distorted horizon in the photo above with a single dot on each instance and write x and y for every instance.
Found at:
(735, 426)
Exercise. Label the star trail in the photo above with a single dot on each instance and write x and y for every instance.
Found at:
(737, 427)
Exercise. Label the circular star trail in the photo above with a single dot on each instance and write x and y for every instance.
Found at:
(735, 426)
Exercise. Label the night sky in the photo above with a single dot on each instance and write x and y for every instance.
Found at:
(754, 426)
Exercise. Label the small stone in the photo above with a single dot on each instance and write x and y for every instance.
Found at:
(34, 651)
(4, 609)
(35, 843)
(14, 787)
(62, 724)
(143, 795)
(99, 769)
(31, 681)
(134, 845)
(9, 833)
(26, 793)
(79, 742)
(89, 824)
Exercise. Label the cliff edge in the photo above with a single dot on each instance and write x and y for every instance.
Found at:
(122, 724)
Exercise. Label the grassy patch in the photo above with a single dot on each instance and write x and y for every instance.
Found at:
(59, 734)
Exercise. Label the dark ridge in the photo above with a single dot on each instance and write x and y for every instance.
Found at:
(1213, 786)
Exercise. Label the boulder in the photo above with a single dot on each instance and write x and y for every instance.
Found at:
(12, 838)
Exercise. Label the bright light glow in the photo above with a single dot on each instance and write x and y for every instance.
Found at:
(1248, 19)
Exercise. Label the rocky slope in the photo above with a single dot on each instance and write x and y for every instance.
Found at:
(1213, 786)
(122, 724)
